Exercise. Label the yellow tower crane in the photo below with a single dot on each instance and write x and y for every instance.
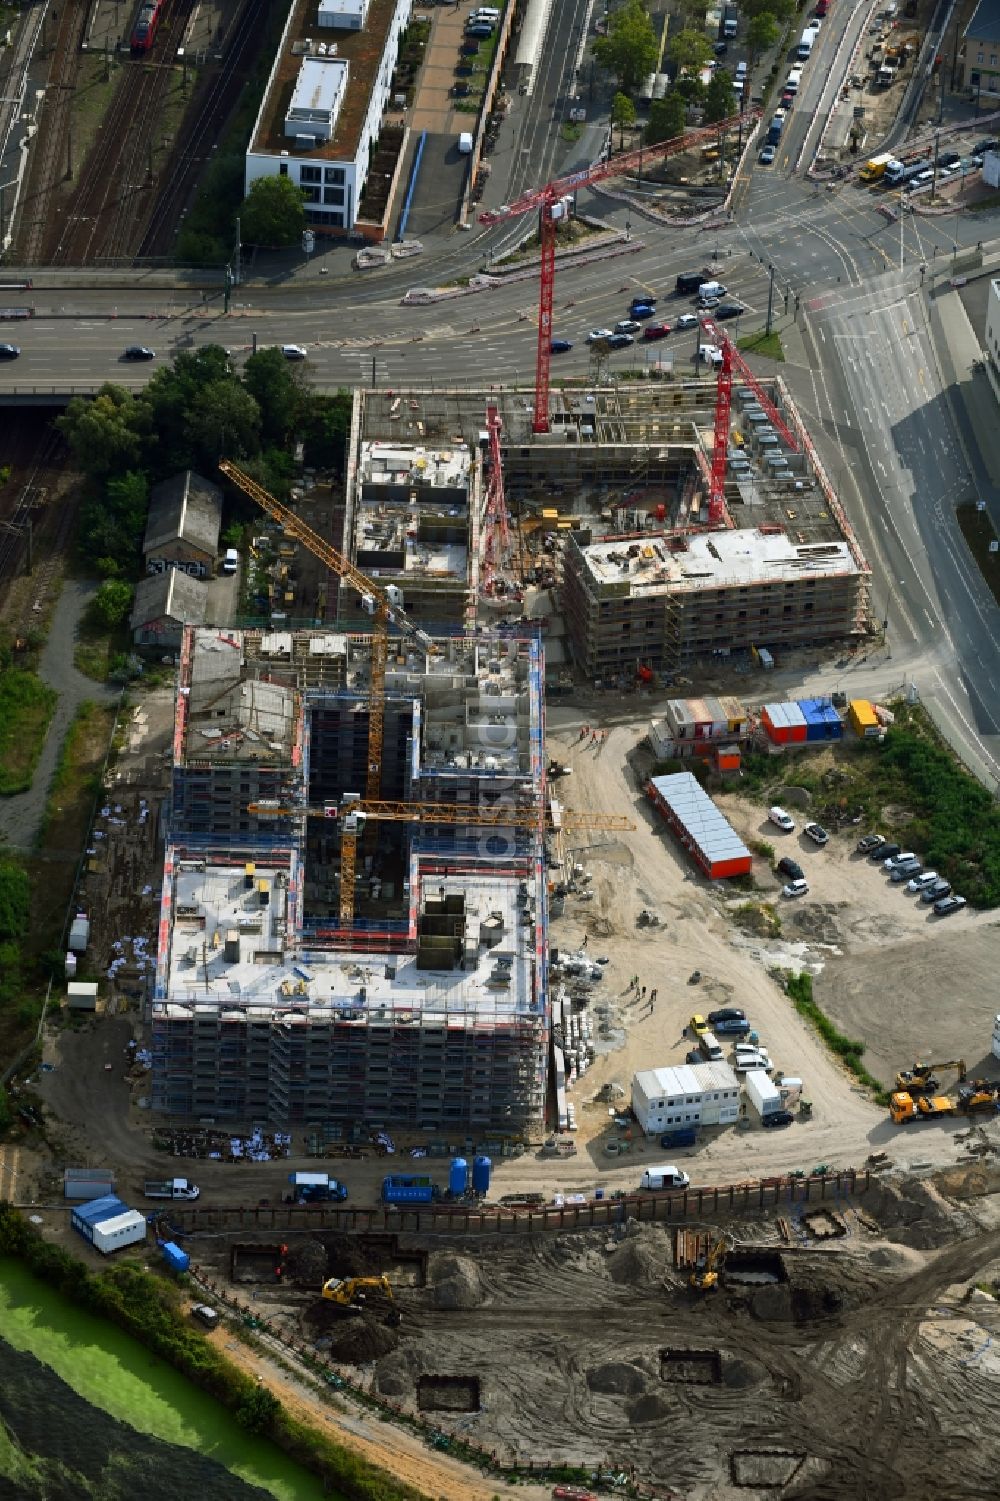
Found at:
(384, 606)
(352, 814)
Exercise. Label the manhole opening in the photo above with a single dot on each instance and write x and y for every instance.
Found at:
(755, 1266)
(448, 1393)
(824, 1224)
(698, 1367)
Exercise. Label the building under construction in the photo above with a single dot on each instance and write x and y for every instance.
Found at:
(624, 475)
(430, 1009)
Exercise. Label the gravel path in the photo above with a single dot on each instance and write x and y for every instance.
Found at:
(21, 815)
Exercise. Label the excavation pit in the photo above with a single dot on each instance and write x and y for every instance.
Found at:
(823, 1224)
(448, 1393)
(764, 1469)
(755, 1268)
(695, 1367)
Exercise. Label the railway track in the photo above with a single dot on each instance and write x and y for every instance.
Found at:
(203, 128)
(44, 471)
(106, 210)
(47, 160)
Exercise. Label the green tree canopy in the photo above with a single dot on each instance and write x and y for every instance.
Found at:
(103, 433)
(689, 49)
(630, 49)
(720, 99)
(781, 10)
(112, 602)
(690, 88)
(112, 522)
(279, 391)
(273, 212)
(175, 398)
(622, 114)
(225, 424)
(325, 427)
(762, 33)
(666, 118)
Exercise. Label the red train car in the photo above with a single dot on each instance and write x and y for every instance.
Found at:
(144, 30)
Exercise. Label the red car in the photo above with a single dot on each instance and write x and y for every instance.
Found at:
(656, 331)
(822, 6)
(572, 1493)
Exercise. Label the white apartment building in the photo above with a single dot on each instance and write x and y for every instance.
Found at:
(325, 101)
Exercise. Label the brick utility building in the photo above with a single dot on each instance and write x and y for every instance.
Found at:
(323, 108)
(182, 527)
(431, 1011)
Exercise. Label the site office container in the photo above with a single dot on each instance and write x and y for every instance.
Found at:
(864, 720)
(822, 720)
(86, 1216)
(763, 1094)
(785, 723)
(122, 1230)
(88, 1184)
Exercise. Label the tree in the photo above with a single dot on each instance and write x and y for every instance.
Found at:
(667, 118)
(325, 426)
(781, 10)
(273, 212)
(720, 100)
(112, 521)
(622, 114)
(278, 389)
(690, 50)
(103, 434)
(691, 89)
(762, 34)
(257, 1410)
(112, 602)
(226, 422)
(630, 49)
(174, 400)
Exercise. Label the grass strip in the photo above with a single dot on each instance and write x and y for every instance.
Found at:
(847, 1049)
(26, 708)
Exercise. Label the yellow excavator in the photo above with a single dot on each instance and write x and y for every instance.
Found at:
(705, 1275)
(348, 1293)
(920, 1078)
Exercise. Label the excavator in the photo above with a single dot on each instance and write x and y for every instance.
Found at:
(920, 1078)
(348, 1293)
(705, 1275)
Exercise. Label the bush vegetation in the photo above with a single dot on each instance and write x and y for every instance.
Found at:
(26, 708)
(148, 1308)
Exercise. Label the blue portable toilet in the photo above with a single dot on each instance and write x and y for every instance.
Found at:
(482, 1167)
(458, 1177)
(177, 1259)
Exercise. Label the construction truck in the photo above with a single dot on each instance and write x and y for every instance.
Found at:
(920, 1078)
(705, 1276)
(348, 1295)
(926, 1107)
(979, 1095)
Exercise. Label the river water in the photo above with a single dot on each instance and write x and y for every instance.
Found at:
(105, 1418)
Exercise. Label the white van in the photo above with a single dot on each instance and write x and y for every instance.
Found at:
(487, 13)
(711, 289)
(793, 80)
(465, 143)
(666, 1176)
(231, 561)
(708, 1044)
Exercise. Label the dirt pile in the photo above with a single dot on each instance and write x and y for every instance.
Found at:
(454, 1281)
(399, 1372)
(639, 1262)
(363, 1339)
(618, 1378)
(306, 1263)
(915, 1213)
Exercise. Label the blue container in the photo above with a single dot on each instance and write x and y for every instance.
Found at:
(482, 1167)
(458, 1177)
(176, 1259)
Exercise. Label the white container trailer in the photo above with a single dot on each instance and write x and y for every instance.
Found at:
(79, 933)
(123, 1230)
(763, 1094)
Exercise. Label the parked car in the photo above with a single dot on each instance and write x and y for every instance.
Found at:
(642, 310)
(620, 341)
(627, 326)
(884, 851)
(777, 1118)
(921, 882)
(869, 843)
(726, 1014)
(294, 352)
(947, 904)
(597, 334)
(988, 143)
(817, 833)
(896, 857)
(766, 156)
(752, 1060)
(687, 320)
(790, 868)
(205, 1315)
(697, 1025)
(948, 159)
(732, 1028)
(936, 892)
(728, 310)
(693, 1057)
(648, 299)
(904, 871)
(796, 888)
(655, 331)
(138, 352)
(781, 819)
(560, 346)
(9, 351)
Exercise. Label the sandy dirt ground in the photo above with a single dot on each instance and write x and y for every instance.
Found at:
(813, 1367)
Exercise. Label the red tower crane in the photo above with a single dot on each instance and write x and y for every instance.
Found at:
(497, 548)
(551, 203)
